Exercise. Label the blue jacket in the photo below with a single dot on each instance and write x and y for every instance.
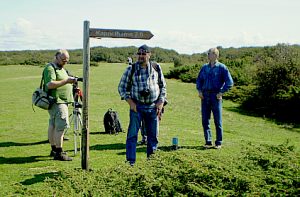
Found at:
(215, 79)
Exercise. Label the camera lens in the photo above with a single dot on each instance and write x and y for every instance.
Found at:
(145, 93)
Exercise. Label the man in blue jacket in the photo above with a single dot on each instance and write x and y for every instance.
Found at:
(213, 81)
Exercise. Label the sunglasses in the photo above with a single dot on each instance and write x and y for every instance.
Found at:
(65, 60)
(141, 53)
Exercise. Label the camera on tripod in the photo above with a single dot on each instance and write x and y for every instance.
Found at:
(77, 94)
(75, 117)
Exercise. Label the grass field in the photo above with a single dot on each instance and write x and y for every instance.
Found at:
(258, 157)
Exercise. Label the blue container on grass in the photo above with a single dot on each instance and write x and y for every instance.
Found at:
(175, 143)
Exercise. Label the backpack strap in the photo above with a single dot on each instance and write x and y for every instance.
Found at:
(129, 83)
(157, 69)
(42, 81)
(155, 66)
(53, 66)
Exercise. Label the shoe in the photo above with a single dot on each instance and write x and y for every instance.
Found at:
(131, 163)
(207, 146)
(142, 142)
(218, 147)
(52, 153)
(62, 157)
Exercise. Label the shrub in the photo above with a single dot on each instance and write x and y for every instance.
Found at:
(94, 64)
(259, 169)
(185, 73)
(239, 93)
(278, 82)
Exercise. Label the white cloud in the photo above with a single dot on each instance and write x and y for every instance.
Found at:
(175, 24)
(19, 35)
(22, 35)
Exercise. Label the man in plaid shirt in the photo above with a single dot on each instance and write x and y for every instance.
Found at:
(145, 92)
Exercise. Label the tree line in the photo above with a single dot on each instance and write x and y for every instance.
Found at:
(267, 79)
(98, 54)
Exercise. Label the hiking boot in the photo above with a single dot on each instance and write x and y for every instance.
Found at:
(52, 153)
(142, 142)
(207, 146)
(62, 157)
(131, 163)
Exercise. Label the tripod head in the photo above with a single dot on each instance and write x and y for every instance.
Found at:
(79, 79)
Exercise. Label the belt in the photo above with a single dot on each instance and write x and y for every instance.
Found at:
(141, 103)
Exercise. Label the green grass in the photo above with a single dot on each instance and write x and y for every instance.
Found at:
(258, 157)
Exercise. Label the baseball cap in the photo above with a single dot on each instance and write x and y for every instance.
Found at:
(144, 48)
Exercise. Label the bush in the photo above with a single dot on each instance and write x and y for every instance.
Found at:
(278, 82)
(239, 93)
(95, 64)
(185, 73)
(265, 170)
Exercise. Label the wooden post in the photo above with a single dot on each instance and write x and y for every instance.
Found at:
(85, 102)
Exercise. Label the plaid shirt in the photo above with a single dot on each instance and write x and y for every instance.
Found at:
(143, 79)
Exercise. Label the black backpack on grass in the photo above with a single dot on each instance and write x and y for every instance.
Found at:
(112, 122)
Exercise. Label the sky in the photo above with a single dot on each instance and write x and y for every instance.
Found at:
(186, 26)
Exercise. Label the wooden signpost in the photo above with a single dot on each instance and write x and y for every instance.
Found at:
(120, 33)
(97, 33)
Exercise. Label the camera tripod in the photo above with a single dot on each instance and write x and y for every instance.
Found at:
(75, 117)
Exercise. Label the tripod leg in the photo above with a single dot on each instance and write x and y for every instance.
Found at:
(80, 125)
(75, 144)
(77, 130)
(76, 127)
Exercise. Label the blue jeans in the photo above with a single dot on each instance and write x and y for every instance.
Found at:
(148, 114)
(209, 104)
(144, 132)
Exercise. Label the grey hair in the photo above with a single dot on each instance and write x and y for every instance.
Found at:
(60, 52)
(214, 50)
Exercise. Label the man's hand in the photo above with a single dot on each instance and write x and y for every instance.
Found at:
(219, 96)
(71, 80)
(131, 104)
(159, 107)
(201, 95)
